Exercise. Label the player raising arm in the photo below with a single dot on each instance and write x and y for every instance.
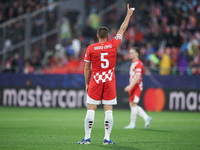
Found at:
(124, 25)
(101, 88)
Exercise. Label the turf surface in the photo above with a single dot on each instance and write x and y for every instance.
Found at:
(57, 129)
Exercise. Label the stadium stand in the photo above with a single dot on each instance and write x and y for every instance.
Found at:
(167, 32)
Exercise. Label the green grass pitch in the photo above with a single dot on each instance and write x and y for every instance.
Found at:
(61, 129)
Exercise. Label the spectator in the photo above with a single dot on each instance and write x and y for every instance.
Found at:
(149, 50)
(165, 63)
(184, 45)
(28, 69)
(70, 50)
(76, 45)
(17, 64)
(157, 25)
(59, 51)
(65, 31)
(8, 65)
(94, 19)
(35, 62)
(192, 46)
(183, 63)
(138, 36)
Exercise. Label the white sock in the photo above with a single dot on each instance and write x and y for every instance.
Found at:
(133, 115)
(108, 123)
(89, 121)
(142, 113)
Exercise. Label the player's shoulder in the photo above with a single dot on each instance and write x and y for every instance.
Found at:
(139, 62)
(91, 46)
(116, 37)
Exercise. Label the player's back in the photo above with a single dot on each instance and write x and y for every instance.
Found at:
(103, 56)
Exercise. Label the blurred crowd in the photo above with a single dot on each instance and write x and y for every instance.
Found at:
(10, 9)
(167, 33)
(15, 32)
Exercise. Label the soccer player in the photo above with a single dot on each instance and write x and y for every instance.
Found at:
(102, 86)
(135, 89)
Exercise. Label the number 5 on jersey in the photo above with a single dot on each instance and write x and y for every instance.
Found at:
(105, 62)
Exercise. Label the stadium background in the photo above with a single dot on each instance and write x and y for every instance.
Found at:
(43, 42)
(42, 97)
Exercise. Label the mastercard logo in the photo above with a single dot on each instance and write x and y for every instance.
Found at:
(154, 99)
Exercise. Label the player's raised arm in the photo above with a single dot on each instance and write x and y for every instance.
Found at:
(126, 21)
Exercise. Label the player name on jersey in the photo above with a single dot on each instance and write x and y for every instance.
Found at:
(103, 47)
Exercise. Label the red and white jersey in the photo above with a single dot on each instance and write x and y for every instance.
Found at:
(136, 68)
(103, 59)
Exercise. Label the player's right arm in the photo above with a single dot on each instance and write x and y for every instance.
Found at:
(132, 84)
(87, 60)
(87, 74)
(124, 25)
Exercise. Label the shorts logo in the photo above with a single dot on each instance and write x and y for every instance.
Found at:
(154, 99)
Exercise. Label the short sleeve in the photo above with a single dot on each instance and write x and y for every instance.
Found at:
(87, 55)
(117, 40)
(138, 69)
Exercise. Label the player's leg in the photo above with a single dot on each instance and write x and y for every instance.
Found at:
(89, 120)
(109, 99)
(134, 97)
(133, 115)
(144, 115)
(88, 123)
(140, 110)
(108, 122)
(93, 99)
